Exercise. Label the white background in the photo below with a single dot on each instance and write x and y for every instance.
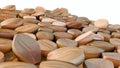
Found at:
(93, 9)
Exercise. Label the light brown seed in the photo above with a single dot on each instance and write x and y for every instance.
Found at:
(13, 12)
(56, 64)
(115, 42)
(30, 21)
(74, 32)
(90, 28)
(92, 51)
(59, 23)
(45, 29)
(102, 44)
(84, 38)
(26, 48)
(113, 57)
(58, 28)
(47, 20)
(74, 24)
(16, 65)
(101, 23)
(68, 54)
(28, 11)
(44, 24)
(5, 45)
(105, 35)
(4, 16)
(30, 28)
(31, 17)
(9, 7)
(115, 35)
(46, 46)
(59, 35)
(97, 37)
(7, 33)
(104, 31)
(45, 35)
(64, 42)
(11, 23)
(40, 10)
(113, 27)
(98, 63)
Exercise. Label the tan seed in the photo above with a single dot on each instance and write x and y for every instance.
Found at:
(9, 7)
(56, 64)
(68, 54)
(11, 23)
(59, 35)
(84, 38)
(64, 42)
(30, 28)
(45, 35)
(74, 32)
(113, 57)
(26, 48)
(104, 45)
(92, 51)
(101, 23)
(16, 65)
(46, 46)
(98, 63)
(5, 45)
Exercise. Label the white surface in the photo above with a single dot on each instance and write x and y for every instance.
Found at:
(93, 9)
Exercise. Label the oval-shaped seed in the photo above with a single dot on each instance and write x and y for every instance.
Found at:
(58, 28)
(11, 23)
(74, 32)
(74, 24)
(90, 28)
(59, 35)
(56, 64)
(98, 63)
(115, 35)
(84, 38)
(30, 21)
(113, 57)
(7, 33)
(105, 35)
(45, 35)
(9, 7)
(28, 11)
(115, 42)
(26, 48)
(101, 23)
(5, 45)
(46, 46)
(92, 51)
(68, 54)
(30, 28)
(104, 45)
(45, 29)
(59, 23)
(16, 65)
(64, 42)
(30, 17)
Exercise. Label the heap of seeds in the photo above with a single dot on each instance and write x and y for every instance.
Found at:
(41, 38)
